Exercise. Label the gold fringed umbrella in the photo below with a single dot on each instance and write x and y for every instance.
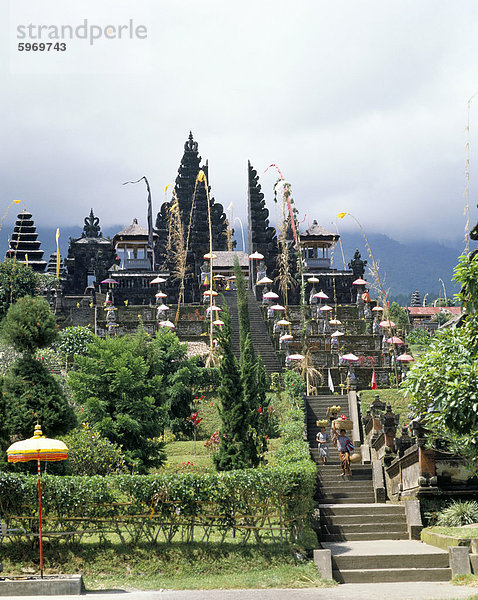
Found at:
(39, 448)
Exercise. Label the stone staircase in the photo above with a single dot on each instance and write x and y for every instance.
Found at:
(368, 541)
(260, 336)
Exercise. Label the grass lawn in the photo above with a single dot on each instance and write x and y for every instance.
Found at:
(174, 566)
(181, 456)
(391, 396)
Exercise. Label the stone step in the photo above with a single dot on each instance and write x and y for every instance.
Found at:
(391, 575)
(355, 537)
(361, 518)
(378, 528)
(372, 509)
(390, 561)
(365, 499)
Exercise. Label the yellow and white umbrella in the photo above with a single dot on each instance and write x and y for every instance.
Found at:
(39, 448)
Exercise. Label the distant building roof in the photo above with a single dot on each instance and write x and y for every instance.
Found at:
(429, 311)
(133, 230)
(318, 232)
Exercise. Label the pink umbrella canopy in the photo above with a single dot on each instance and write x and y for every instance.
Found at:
(405, 358)
(218, 322)
(210, 293)
(162, 307)
(350, 357)
(359, 281)
(271, 295)
(322, 295)
(395, 340)
(387, 324)
(325, 308)
(277, 307)
(109, 281)
(283, 322)
(161, 295)
(286, 337)
(377, 309)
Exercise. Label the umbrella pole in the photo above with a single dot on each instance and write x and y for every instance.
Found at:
(39, 515)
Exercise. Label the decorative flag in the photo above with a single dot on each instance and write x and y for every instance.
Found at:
(374, 381)
(26, 260)
(57, 253)
(331, 383)
(150, 216)
(341, 215)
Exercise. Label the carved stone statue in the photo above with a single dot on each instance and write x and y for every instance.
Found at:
(357, 265)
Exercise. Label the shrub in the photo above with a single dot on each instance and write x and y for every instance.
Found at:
(458, 513)
(89, 453)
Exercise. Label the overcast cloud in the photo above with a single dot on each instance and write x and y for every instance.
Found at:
(362, 104)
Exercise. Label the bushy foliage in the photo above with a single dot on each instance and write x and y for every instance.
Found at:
(121, 389)
(399, 316)
(458, 514)
(29, 324)
(16, 281)
(31, 394)
(294, 387)
(419, 337)
(442, 385)
(73, 341)
(89, 453)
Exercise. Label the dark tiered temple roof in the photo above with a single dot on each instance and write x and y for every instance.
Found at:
(24, 245)
(316, 233)
(132, 231)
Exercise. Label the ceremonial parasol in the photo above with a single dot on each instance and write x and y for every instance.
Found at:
(286, 337)
(359, 281)
(271, 295)
(256, 256)
(283, 322)
(405, 358)
(295, 357)
(157, 280)
(325, 308)
(395, 340)
(277, 307)
(217, 277)
(335, 322)
(110, 281)
(350, 357)
(210, 293)
(321, 295)
(213, 308)
(264, 280)
(161, 295)
(39, 448)
(162, 307)
(377, 309)
(313, 280)
(209, 256)
(387, 324)
(218, 322)
(336, 333)
(166, 323)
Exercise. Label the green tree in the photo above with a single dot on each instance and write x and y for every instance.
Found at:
(123, 396)
(254, 441)
(16, 281)
(233, 449)
(73, 341)
(442, 385)
(29, 324)
(31, 394)
(242, 304)
(399, 316)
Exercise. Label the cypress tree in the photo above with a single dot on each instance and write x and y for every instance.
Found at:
(251, 399)
(242, 305)
(233, 449)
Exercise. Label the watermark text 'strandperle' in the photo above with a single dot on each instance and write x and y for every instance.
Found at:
(83, 31)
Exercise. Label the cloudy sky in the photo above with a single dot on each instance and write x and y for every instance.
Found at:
(362, 104)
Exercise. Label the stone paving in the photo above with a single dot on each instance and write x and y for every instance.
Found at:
(363, 591)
